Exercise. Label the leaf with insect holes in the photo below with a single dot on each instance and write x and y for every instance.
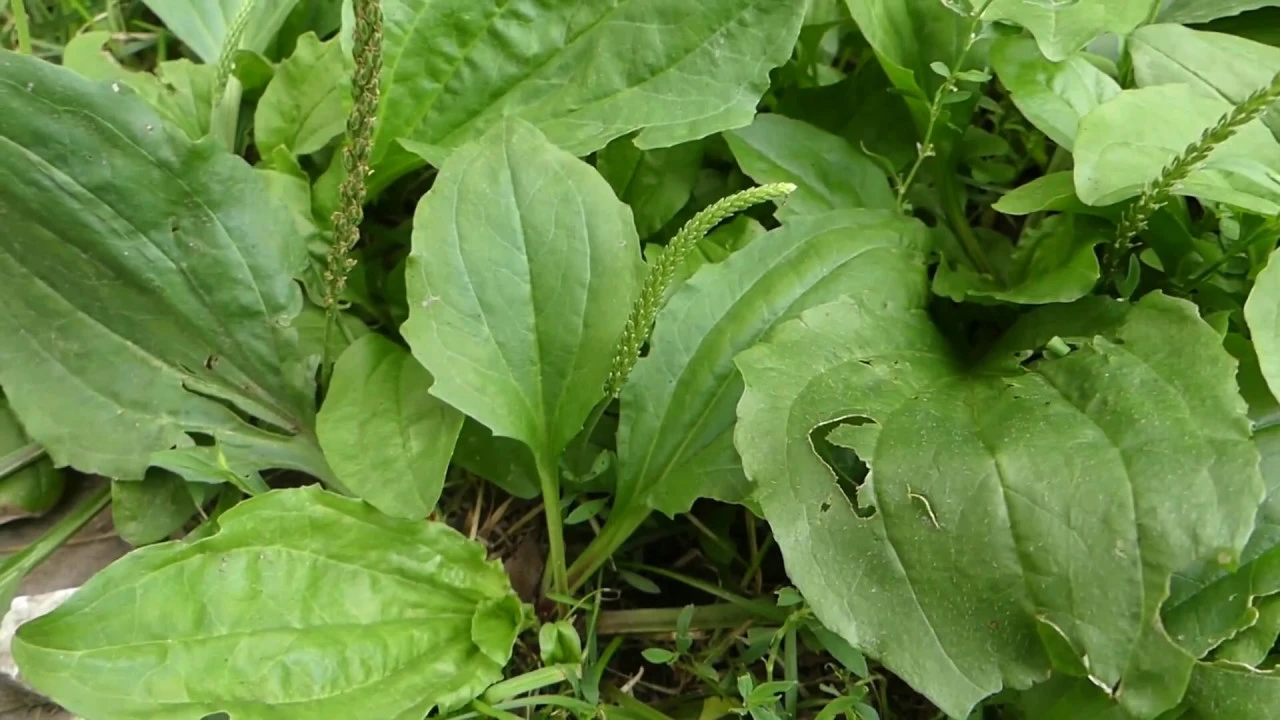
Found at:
(1062, 27)
(1118, 151)
(1052, 95)
(204, 26)
(584, 73)
(135, 320)
(523, 269)
(305, 104)
(828, 172)
(1079, 546)
(387, 439)
(324, 606)
(675, 434)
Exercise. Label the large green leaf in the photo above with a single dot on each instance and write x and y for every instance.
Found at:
(1220, 65)
(385, 437)
(1061, 28)
(133, 319)
(304, 604)
(204, 25)
(584, 73)
(909, 36)
(656, 184)
(1087, 473)
(1190, 12)
(1052, 95)
(304, 105)
(828, 172)
(523, 269)
(675, 435)
(1118, 150)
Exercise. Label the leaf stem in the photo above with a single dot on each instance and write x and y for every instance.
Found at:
(1262, 232)
(926, 149)
(23, 25)
(791, 670)
(557, 573)
(527, 683)
(20, 458)
(16, 566)
(1160, 190)
(620, 526)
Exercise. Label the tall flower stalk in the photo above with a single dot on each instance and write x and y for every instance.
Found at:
(1159, 191)
(645, 310)
(365, 91)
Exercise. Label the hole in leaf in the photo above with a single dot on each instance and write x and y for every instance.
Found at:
(834, 443)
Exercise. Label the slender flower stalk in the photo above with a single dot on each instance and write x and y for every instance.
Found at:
(227, 58)
(1160, 191)
(365, 90)
(645, 310)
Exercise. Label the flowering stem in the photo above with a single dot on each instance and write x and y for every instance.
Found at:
(1160, 191)
(365, 89)
(645, 310)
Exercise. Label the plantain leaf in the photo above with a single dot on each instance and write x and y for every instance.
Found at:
(324, 607)
(1218, 65)
(675, 435)
(1090, 472)
(204, 26)
(34, 489)
(1198, 11)
(656, 184)
(1262, 313)
(1061, 28)
(1052, 95)
(388, 441)
(1118, 152)
(305, 104)
(523, 269)
(828, 172)
(135, 319)
(583, 73)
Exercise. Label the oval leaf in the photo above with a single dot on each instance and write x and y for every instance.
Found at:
(386, 438)
(303, 599)
(1118, 150)
(304, 105)
(1052, 95)
(1063, 27)
(828, 172)
(584, 73)
(1088, 479)
(134, 318)
(523, 268)
(204, 26)
(675, 434)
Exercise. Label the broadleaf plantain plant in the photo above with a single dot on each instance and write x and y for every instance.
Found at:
(969, 305)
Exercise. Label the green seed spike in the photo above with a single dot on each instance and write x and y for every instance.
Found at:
(663, 271)
(366, 89)
(226, 59)
(1159, 191)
